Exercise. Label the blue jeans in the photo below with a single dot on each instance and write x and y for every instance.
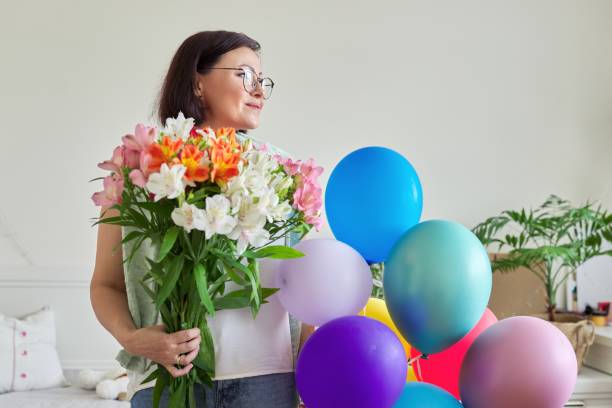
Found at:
(262, 391)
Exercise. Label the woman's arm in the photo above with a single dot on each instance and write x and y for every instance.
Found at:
(109, 300)
(107, 288)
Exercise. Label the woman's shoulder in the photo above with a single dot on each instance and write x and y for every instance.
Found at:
(258, 142)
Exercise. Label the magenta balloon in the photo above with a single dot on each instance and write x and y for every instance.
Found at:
(331, 280)
(351, 362)
(519, 362)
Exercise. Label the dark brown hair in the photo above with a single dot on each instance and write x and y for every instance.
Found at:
(200, 50)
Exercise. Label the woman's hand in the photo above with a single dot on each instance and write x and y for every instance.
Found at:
(155, 344)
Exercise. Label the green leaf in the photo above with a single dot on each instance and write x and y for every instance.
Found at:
(191, 396)
(205, 359)
(168, 242)
(160, 384)
(177, 398)
(170, 280)
(202, 286)
(131, 236)
(275, 252)
(232, 274)
(234, 300)
(244, 269)
(151, 377)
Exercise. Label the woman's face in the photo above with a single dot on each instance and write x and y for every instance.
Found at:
(226, 102)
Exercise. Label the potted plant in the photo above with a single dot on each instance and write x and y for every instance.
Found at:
(551, 241)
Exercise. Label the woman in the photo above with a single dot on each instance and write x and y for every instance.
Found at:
(215, 77)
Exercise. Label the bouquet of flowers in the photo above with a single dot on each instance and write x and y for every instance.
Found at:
(211, 205)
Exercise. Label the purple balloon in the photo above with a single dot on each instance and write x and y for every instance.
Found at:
(331, 280)
(352, 361)
(519, 362)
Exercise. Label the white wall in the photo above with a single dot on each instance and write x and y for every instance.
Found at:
(496, 103)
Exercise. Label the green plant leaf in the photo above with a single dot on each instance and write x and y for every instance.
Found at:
(160, 385)
(168, 242)
(202, 286)
(275, 252)
(174, 272)
(151, 376)
(205, 359)
(234, 300)
(177, 398)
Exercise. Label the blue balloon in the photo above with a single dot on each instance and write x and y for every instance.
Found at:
(437, 284)
(372, 198)
(425, 395)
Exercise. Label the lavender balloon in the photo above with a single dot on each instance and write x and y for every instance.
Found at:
(519, 362)
(331, 280)
(352, 361)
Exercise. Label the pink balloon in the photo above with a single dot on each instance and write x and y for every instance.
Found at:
(331, 280)
(442, 369)
(519, 362)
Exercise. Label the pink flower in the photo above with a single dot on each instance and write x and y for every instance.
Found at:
(116, 162)
(113, 188)
(314, 220)
(291, 167)
(308, 197)
(138, 178)
(137, 144)
(310, 171)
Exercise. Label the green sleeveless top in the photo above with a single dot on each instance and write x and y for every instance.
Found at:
(140, 304)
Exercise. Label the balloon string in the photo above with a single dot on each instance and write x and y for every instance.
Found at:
(412, 360)
(418, 365)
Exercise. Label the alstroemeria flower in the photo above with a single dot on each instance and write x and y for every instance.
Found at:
(310, 170)
(225, 155)
(189, 217)
(137, 178)
(137, 143)
(291, 167)
(113, 189)
(115, 163)
(196, 163)
(308, 197)
(217, 216)
(179, 127)
(158, 153)
(168, 182)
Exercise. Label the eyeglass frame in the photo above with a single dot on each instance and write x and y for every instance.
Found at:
(259, 80)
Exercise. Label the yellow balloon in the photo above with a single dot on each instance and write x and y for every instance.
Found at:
(377, 309)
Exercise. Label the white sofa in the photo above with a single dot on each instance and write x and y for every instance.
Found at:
(59, 397)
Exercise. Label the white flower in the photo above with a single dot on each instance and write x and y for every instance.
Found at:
(168, 182)
(189, 217)
(250, 227)
(217, 215)
(178, 127)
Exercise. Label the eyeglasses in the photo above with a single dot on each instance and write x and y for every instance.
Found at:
(250, 81)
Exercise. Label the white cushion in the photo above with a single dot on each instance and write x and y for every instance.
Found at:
(28, 355)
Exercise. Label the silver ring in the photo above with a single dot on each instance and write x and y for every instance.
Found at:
(178, 359)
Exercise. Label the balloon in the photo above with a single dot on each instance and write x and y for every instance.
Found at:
(373, 196)
(424, 395)
(329, 281)
(519, 362)
(352, 361)
(442, 369)
(437, 284)
(377, 309)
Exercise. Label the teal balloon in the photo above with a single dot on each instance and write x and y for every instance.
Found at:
(373, 196)
(437, 283)
(425, 395)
